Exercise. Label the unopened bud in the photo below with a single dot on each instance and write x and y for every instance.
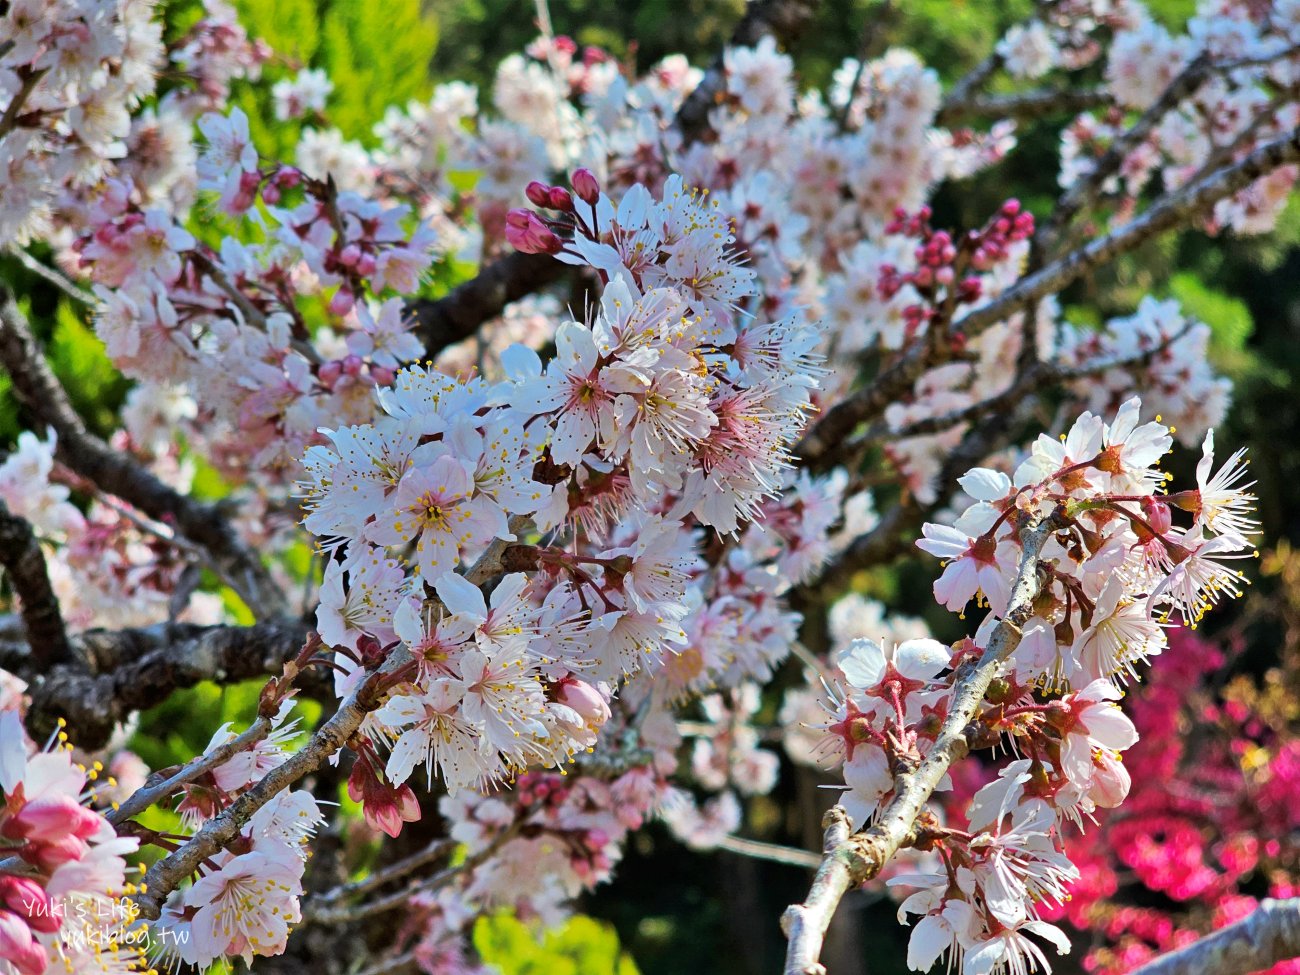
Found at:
(1157, 514)
(342, 302)
(585, 185)
(538, 193)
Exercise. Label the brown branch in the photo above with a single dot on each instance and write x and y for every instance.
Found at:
(818, 448)
(436, 850)
(158, 787)
(458, 315)
(1270, 934)
(1038, 377)
(29, 79)
(132, 670)
(341, 914)
(22, 558)
(165, 875)
(848, 861)
(1027, 106)
(1085, 191)
(36, 387)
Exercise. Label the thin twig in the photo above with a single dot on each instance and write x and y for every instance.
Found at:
(55, 277)
(771, 852)
(154, 792)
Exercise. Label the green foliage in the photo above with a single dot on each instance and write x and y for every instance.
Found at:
(583, 946)
(376, 56)
(1229, 318)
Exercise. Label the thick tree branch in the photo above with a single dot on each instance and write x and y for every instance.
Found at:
(1269, 935)
(458, 314)
(850, 860)
(116, 473)
(1022, 105)
(23, 560)
(136, 669)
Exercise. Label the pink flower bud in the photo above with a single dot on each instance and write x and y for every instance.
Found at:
(382, 375)
(349, 255)
(342, 302)
(366, 264)
(18, 947)
(270, 194)
(538, 193)
(586, 700)
(352, 365)
(47, 820)
(54, 854)
(944, 276)
(26, 898)
(585, 185)
(560, 199)
(288, 177)
(329, 373)
(1157, 514)
(526, 232)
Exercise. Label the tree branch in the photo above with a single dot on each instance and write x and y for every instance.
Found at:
(136, 669)
(1269, 935)
(848, 861)
(116, 473)
(165, 875)
(1085, 191)
(159, 787)
(23, 559)
(818, 448)
(1023, 105)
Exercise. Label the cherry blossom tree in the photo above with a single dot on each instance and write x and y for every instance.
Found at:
(716, 355)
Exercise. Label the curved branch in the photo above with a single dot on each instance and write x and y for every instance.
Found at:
(819, 445)
(458, 315)
(116, 473)
(22, 558)
(138, 669)
(1269, 935)
(1023, 105)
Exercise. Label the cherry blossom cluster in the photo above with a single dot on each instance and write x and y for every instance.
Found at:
(1112, 576)
(229, 325)
(63, 886)
(1243, 98)
(108, 565)
(667, 410)
(75, 78)
(557, 556)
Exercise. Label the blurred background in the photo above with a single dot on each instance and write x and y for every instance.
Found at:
(671, 910)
